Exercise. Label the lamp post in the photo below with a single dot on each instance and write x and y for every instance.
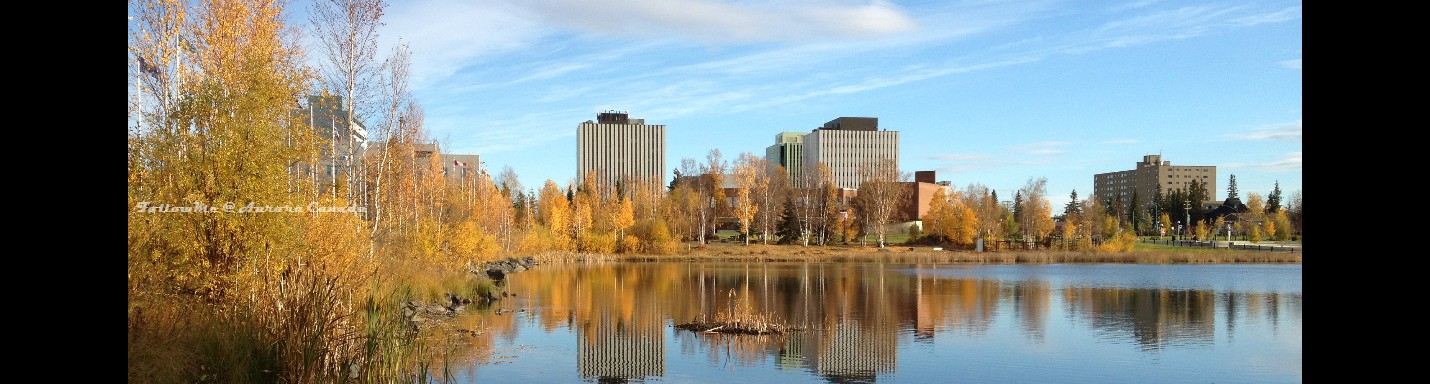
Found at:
(1228, 232)
(1187, 210)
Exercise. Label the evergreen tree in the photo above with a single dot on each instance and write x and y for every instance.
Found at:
(1074, 208)
(1273, 201)
(1018, 209)
(1197, 193)
(789, 226)
(1132, 213)
(1231, 188)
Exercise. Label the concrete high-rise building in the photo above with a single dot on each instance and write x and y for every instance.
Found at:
(343, 140)
(847, 144)
(788, 151)
(1150, 177)
(617, 147)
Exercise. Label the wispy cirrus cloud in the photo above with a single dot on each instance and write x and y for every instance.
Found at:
(1169, 24)
(1043, 148)
(1289, 131)
(1042, 153)
(448, 36)
(1285, 14)
(1132, 5)
(1293, 64)
(637, 54)
(1291, 162)
(507, 134)
(725, 22)
(958, 156)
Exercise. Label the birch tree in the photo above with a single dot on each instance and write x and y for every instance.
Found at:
(884, 192)
(1035, 216)
(347, 34)
(747, 178)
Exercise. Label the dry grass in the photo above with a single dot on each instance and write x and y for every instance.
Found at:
(738, 317)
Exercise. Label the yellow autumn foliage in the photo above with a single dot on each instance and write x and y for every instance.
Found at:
(471, 244)
(1123, 242)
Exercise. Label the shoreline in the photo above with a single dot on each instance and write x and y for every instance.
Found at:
(914, 254)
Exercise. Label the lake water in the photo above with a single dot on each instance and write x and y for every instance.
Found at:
(867, 322)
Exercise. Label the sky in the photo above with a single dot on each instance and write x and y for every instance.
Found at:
(988, 92)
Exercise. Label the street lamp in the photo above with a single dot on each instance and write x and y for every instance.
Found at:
(1187, 209)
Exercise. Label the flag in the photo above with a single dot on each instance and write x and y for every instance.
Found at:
(459, 163)
(150, 69)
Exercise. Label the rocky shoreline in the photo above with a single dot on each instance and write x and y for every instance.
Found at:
(421, 314)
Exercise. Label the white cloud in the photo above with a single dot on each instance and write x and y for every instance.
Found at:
(958, 156)
(710, 21)
(499, 135)
(1293, 64)
(1171, 24)
(1291, 162)
(634, 54)
(1289, 131)
(1132, 5)
(1043, 148)
(1289, 13)
(448, 36)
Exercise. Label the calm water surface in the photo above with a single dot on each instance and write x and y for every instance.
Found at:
(866, 322)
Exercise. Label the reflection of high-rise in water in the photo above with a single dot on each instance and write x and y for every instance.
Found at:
(614, 349)
(855, 350)
(791, 355)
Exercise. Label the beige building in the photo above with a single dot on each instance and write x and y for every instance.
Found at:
(847, 144)
(461, 165)
(1150, 177)
(788, 151)
(617, 147)
(343, 141)
(456, 166)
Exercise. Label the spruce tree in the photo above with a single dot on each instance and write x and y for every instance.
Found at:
(1073, 209)
(1231, 188)
(789, 225)
(1273, 201)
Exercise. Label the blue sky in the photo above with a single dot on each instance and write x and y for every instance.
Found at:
(988, 92)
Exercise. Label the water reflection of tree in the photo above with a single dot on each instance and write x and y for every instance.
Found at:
(1153, 318)
(852, 312)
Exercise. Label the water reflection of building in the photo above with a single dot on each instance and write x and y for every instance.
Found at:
(791, 355)
(853, 314)
(854, 352)
(618, 350)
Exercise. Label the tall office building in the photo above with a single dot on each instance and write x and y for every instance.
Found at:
(847, 144)
(1151, 176)
(788, 152)
(617, 147)
(343, 140)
